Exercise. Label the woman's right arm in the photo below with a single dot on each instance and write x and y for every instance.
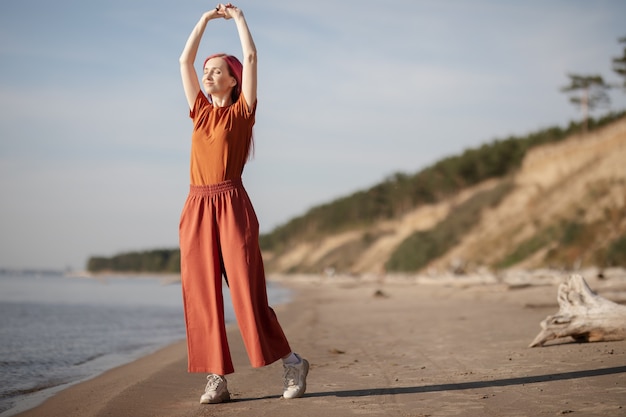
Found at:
(191, 85)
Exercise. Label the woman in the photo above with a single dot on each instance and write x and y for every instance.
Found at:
(218, 227)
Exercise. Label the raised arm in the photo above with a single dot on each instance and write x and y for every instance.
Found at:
(249, 62)
(191, 85)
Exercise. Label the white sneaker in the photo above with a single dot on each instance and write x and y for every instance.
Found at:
(216, 390)
(295, 379)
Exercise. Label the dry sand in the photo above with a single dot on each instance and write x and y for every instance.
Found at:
(392, 349)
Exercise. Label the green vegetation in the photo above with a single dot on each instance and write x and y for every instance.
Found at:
(422, 247)
(593, 93)
(616, 253)
(619, 63)
(159, 260)
(569, 244)
(393, 197)
(567, 234)
(402, 192)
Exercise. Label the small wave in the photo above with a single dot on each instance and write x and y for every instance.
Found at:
(89, 359)
(36, 388)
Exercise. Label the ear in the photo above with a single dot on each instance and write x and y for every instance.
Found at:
(233, 82)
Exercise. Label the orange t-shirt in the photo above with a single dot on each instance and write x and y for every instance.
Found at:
(221, 139)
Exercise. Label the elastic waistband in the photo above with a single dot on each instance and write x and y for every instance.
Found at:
(212, 189)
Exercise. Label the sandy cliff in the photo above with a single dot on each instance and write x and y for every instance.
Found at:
(579, 182)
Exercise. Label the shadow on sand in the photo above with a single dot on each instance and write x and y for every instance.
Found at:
(472, 385)
(460, 386)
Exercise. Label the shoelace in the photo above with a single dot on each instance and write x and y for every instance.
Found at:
(213, 382)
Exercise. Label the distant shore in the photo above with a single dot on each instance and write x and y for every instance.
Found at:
(480, 276)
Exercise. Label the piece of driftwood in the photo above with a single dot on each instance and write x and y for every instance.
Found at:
(583, 315)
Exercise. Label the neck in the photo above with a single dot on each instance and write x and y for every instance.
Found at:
(221, 100)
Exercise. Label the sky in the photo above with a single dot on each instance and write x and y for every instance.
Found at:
(94, 126)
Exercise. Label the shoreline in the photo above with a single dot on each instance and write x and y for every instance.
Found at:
(39, 396)
(383, 348)
(23, 400)
(53, 361)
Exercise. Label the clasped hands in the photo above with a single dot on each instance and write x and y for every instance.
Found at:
(227, 11)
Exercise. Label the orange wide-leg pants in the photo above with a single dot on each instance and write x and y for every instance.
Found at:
(219, 234)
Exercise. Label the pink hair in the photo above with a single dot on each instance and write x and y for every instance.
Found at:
(235, 69)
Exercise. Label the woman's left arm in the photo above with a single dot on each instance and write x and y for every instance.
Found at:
(249, 76)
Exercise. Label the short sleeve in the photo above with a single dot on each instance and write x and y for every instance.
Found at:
(201, 102)
(243, 108)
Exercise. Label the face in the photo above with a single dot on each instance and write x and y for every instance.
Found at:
(216, 78)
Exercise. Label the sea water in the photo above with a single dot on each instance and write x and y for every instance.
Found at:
(56, 330)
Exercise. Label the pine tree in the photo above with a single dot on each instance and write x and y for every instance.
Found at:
(592, 93)
(619, 64)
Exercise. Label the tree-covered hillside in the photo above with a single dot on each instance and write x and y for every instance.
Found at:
(158, 260)
(403, 192)
(390, 199)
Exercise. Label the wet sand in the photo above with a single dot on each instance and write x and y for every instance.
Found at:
(393, 348)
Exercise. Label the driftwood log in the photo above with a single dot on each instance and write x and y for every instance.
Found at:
(583, 315)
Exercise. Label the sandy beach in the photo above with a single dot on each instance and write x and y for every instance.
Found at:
(392, 348)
